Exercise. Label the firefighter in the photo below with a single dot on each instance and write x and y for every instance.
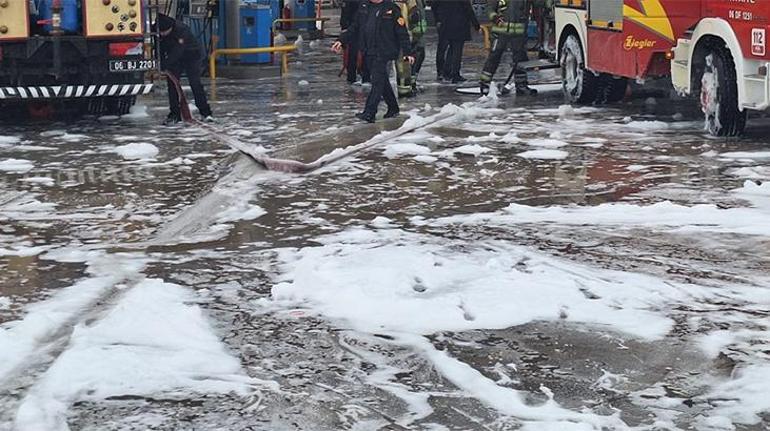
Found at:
(510, 19)
(414, 12)
(348, 14)
(181, 53)
(403, 67)
(443, 42)
(456, 17)
(418, 25)
(383, 37)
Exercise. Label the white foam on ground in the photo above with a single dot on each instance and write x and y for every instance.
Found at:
(381, 222)
(449, 114)
(211, 217)
(20, 339)
(399, 282)
(52, 133)
(152, 342)
(409, 285)
(566, 111)
(544, 154)
(26, 207)
(72, 137)
(29, 148)
(511, 138)
(647, 125)
(23, 250)
(744, 396)
(137, 151)
(751, 172)
(137, 112)
(44, 181)
(749, 155)
(393, 151)
(18, 166)
(9, 140)
(240, 211)
(5, 303)
(491, 137)
(546, 143)
(474, 150)
(425, 159)
(758, 195)
(666, 216)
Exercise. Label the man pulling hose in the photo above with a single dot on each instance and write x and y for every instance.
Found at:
(181, 53)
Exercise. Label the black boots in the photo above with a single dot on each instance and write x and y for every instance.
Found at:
(365, 117)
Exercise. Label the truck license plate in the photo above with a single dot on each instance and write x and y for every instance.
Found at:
(131, 65)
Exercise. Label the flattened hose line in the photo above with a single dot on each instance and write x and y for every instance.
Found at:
(288, 165)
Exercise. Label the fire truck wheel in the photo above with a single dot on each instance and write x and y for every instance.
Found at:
(579, 84)
(613, 89)
(719, 95)
(119, 105)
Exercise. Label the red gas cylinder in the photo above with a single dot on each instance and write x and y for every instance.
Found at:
(286, 14)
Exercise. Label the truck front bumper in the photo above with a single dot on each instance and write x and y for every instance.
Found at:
(73, 91)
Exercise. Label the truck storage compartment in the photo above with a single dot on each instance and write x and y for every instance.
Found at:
(70, 15)
(114, 18)
(14, 20)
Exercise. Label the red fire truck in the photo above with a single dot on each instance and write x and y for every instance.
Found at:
(79, 55)
(715, 50)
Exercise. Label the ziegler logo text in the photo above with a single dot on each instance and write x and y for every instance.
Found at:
(633, 43)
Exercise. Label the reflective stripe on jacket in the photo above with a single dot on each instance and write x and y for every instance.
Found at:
(418, 22)
(510, 17)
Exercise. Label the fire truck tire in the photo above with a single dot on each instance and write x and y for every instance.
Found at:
(580, 85)
(111, 105)
(719, 94)
(613, 90)
(119, 105)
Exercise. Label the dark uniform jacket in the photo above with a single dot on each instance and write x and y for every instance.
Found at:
(180, 43)
(390, 34)
(510, 17)
(456, 18)
(348, 13)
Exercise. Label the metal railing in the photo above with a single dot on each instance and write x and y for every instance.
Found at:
(284, 50)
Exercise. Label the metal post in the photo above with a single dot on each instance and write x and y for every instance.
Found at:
(56, 32)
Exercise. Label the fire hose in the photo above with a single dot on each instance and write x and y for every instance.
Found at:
(288, 165)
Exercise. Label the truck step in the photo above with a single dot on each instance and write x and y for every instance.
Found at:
(755, 77)
(541, 64)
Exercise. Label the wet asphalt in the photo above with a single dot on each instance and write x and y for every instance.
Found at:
(104, 202)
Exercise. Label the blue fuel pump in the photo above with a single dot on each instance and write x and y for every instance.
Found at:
(255, 22)
(304, 9)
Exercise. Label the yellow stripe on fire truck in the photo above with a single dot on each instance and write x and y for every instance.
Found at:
(652, 16)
